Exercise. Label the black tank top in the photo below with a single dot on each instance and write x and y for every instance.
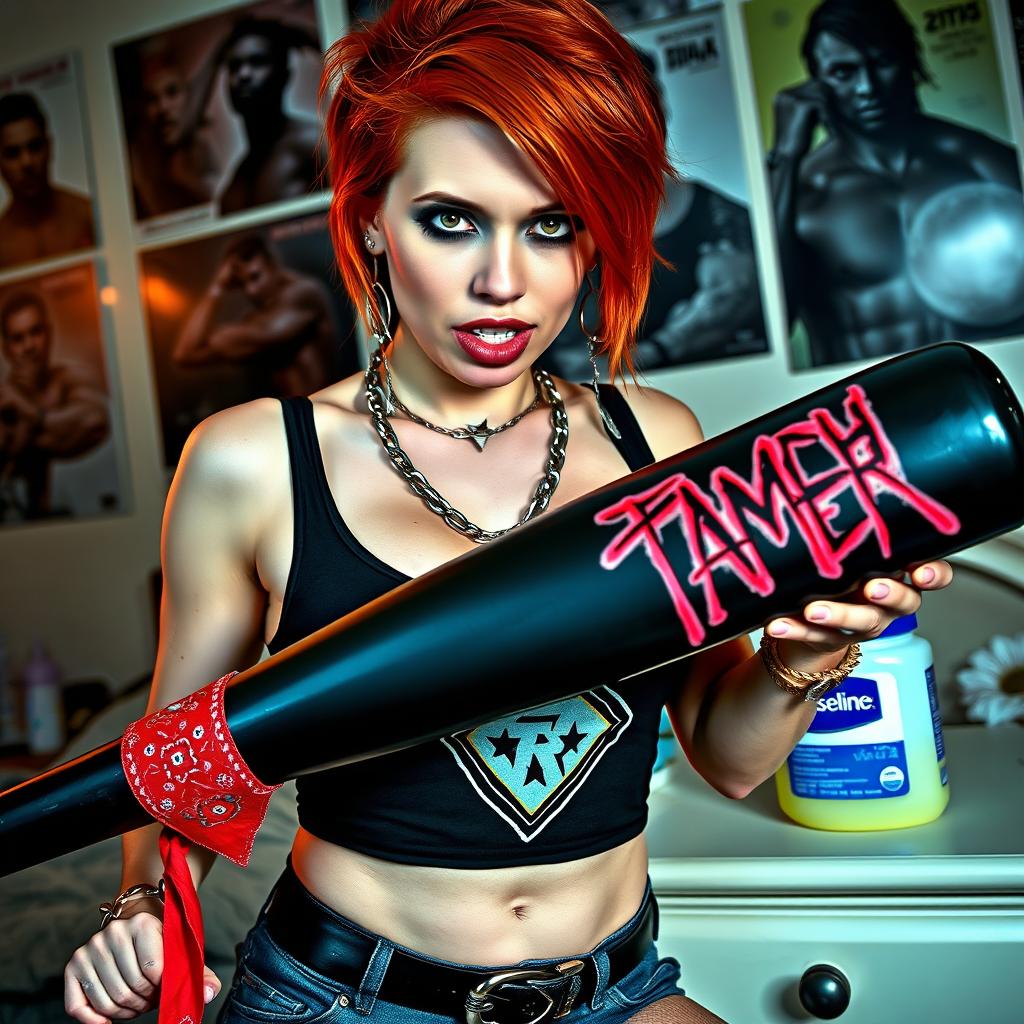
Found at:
(557, 783)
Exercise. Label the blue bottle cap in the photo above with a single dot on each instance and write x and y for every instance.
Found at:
(904, 624)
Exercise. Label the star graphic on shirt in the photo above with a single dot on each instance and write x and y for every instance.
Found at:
(505, 746)
(535, 773)
(570, 741)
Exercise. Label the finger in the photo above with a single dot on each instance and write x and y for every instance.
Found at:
(898, 598)
(149, 952)
(76, 996)
(862, 620)
(211, 983)
(113, 995)
(819, 637)
(931, 575)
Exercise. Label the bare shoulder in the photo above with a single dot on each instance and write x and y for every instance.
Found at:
(303, 292)
(237, 451)
(669, 425)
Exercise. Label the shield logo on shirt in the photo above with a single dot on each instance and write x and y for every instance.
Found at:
(528, 766)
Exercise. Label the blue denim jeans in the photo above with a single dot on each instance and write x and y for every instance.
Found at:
(271, 987)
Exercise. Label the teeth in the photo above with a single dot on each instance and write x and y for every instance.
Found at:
(494, 334)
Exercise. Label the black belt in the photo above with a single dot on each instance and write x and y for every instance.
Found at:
(310, 932)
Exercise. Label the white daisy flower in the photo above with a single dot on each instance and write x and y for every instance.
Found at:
(992, 686)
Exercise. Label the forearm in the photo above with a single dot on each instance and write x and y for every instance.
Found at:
(749, 725)
(192, 347)
(73, 429)
(141, 863)
(784, 179)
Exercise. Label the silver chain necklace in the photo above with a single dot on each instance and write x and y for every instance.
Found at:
(478, 433)
(375, 399)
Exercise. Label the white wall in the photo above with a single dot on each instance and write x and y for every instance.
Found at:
(83, 586)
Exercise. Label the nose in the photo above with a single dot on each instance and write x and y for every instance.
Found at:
(500, 278)
(865, 82)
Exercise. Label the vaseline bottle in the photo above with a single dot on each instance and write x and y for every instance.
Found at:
(873, 757)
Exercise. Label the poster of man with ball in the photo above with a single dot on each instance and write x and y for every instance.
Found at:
(896, 189)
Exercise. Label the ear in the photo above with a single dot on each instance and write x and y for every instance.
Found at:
(373, 238)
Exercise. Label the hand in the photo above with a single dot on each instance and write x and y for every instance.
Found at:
(116, 974)
(828, 627)
(226, 277)
(798, 111)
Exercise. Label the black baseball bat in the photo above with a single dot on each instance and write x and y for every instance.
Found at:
(912, 459)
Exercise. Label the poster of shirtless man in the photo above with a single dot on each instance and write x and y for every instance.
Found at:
(708, 306)
(46, 207)
(219, 114)
(57, 425)
(896, 191)
(244, 315)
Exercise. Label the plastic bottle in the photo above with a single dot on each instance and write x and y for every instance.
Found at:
(44, 702)
(874, 756)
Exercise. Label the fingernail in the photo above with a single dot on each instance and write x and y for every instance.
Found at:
(879, 590)
(817, 613)
(208, 994)
(778, 629)
(927, 575)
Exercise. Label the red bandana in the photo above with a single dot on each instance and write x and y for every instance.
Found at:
(185, 770)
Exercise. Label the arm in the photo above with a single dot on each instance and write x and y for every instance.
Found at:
(734, 723)
(75, 426)
(292, 319)
(192, 347)
(79, 423)
(798, 112)
(211, 620)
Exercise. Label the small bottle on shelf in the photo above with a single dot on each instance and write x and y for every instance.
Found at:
(44, 702)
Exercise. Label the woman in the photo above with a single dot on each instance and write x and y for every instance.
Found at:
(485, 155)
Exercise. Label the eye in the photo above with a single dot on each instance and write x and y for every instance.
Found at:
(449, 220)
(552, 227)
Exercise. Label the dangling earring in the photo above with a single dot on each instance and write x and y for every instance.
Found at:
(379, 326)
(592, 342)
(370, 243)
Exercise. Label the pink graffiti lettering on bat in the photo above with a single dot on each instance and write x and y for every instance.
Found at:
(855, 462)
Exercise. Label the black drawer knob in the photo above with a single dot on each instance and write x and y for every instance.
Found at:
(824, 991)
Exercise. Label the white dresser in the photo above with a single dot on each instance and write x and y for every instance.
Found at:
(926, 924)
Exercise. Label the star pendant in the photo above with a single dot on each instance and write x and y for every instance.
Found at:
(479, 433)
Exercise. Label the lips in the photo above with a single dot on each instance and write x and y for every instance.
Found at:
(493, 353)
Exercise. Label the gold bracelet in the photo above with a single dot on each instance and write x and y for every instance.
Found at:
(808, 685)
(112, 911)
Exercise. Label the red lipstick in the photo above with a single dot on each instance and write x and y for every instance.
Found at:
(493, 353)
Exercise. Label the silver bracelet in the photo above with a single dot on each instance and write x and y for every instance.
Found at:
(111, 911)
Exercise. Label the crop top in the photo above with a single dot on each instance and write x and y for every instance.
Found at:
(563, 781)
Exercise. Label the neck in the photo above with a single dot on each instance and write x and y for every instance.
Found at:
(437, 396)
(885, 151)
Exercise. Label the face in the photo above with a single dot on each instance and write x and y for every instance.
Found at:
(254, 78)
(25, 158)
(473, 233)
(164, 104)
(27, 340)
(257, 278)
(865, 90)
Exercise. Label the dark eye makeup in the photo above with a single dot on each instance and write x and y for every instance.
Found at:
(430, 221)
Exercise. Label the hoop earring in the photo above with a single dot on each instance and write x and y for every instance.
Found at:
(379, 326)
(592, 342)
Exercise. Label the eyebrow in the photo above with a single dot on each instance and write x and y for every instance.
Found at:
(476, 208)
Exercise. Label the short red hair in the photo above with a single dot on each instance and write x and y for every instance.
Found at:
(555, 77)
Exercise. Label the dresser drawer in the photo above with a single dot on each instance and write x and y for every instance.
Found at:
(907, 959)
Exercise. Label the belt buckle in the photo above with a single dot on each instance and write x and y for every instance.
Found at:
(481, 1001)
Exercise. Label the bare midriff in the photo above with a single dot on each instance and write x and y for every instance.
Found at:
(482, 916)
